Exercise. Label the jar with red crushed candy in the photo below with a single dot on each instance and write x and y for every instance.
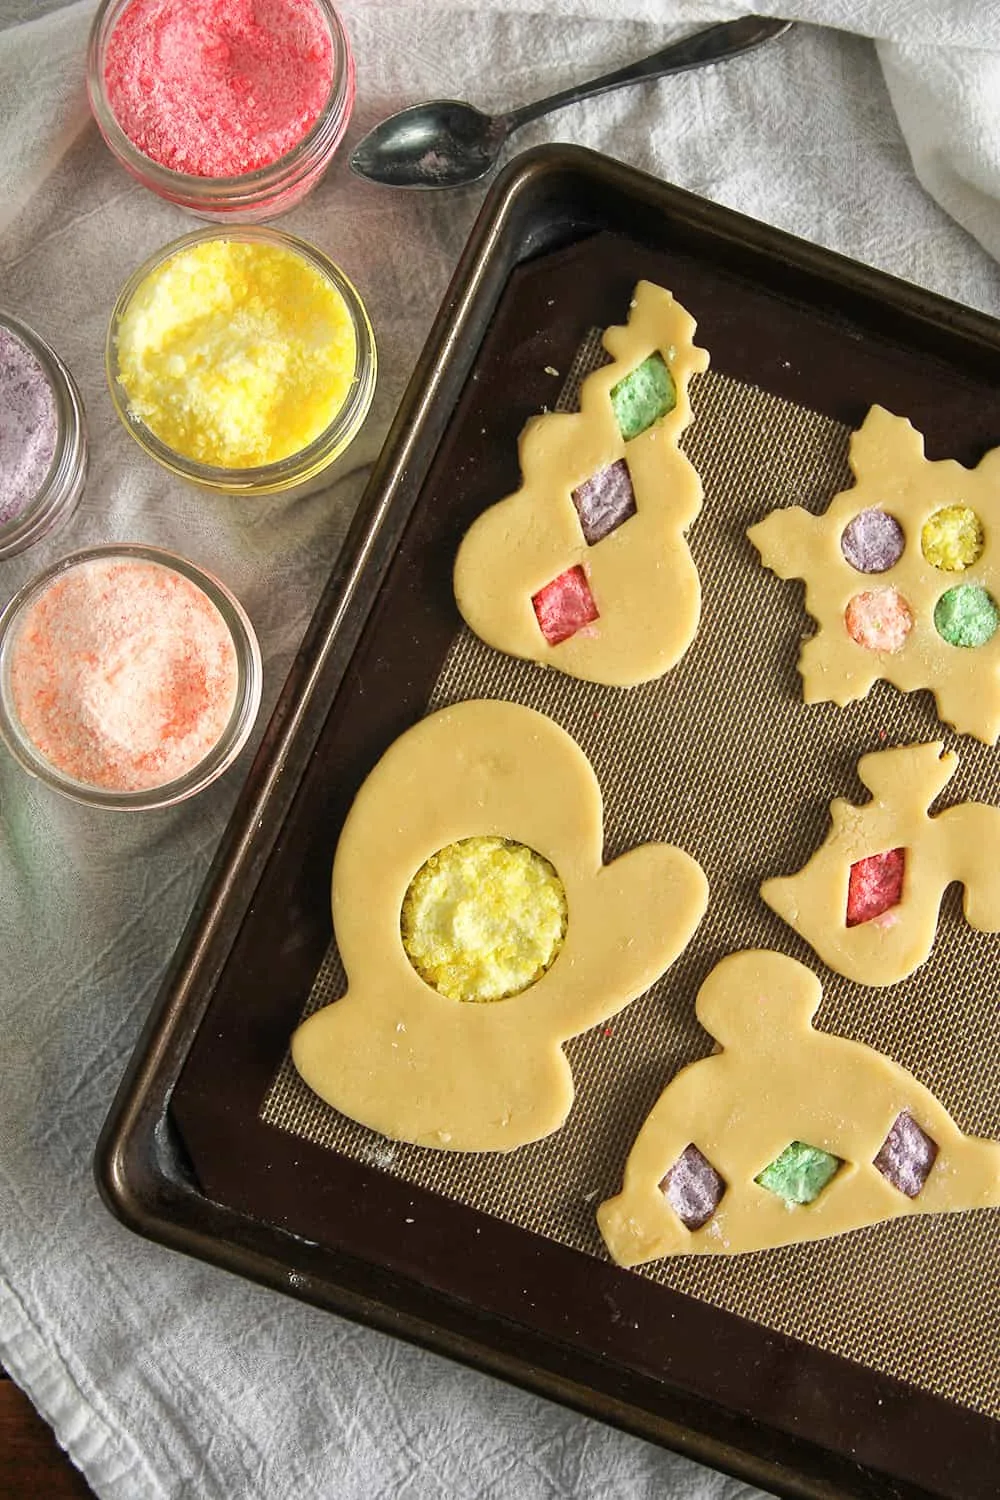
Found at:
(232, 109)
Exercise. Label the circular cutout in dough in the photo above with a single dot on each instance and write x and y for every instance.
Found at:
(483, 919)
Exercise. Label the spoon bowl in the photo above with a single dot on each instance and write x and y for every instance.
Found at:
(443, 143)
(446, 143)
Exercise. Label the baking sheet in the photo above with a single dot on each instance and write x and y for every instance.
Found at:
(801, 345)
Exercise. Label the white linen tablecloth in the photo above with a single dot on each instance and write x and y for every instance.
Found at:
(162, 1376)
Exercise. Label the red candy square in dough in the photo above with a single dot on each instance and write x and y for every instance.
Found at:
(564, 606)
(876, 885)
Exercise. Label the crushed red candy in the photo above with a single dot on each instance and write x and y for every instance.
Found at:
(564, 606)
(875, 886)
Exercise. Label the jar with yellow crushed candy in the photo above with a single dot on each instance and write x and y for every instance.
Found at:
(241, 359)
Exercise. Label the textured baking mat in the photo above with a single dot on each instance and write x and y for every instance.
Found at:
(722, 758)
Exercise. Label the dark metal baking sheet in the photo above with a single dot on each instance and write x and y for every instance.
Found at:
(184, 1157)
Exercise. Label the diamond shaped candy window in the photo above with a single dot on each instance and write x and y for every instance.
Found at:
(693, 1188)
(800, 1173)
(907, 1155)
(875, 886)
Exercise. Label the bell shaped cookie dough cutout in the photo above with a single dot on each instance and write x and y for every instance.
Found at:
(867, 901)
(586, 567)
(399, 1054)
(902, 576)
(812, 1135)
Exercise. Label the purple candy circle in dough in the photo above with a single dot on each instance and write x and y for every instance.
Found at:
(873, 542)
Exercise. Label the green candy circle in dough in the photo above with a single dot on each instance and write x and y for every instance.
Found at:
(966, 616)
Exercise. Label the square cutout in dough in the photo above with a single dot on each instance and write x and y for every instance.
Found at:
(565, 606)
(645, 395)
(605, 501)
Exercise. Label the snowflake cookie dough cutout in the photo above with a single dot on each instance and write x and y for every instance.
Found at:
(786, 1134)
(480, 929)
(902, 574)
(586, 566)
(867, 901)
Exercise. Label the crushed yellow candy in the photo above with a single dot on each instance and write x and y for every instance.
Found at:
(952, 539)
(236, 353)
(483, 919)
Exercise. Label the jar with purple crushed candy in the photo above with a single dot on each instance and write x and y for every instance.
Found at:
(43, 438)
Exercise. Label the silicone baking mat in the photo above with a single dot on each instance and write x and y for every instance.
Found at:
(722, 758)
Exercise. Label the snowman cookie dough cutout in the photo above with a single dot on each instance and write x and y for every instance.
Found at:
(586, 567)
(902, 575)
(476, 842)
(867, 901)
(786, 1134)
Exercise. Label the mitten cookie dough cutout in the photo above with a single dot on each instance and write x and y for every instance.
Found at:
(786, 1134)
(867, 901)
(902, 576)
(586, 566)
(480, 929)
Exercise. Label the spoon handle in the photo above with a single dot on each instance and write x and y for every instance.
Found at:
(710, 45)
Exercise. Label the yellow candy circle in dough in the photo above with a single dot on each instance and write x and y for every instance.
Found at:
(483, 919)
(952, 539)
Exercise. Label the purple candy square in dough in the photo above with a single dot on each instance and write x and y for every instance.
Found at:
(604, 501)
(693, 1188)
(907, 1155)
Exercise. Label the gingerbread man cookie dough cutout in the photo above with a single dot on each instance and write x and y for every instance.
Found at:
(586, 566)
(786, 1134)
(477, 819)
(902, 575)
(867, 901)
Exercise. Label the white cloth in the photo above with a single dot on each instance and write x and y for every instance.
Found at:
(164, 1377)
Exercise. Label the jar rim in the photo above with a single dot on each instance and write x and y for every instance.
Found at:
(306, 462)
(60, 490)
(245, 190)
(221, 754)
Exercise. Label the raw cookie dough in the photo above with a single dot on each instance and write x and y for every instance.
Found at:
(777, 1082)
(403, 1059)
(633, 589)
(960, 844)
(930, 618)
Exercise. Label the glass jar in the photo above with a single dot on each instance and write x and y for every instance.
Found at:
(121, 691)
(250, 197)
(61, 484)
(316, 454)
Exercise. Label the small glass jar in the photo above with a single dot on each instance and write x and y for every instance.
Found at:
(251, 197)
(60, 488)
(109, 717)
(308, 461)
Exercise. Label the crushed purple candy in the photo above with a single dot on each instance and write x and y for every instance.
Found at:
(29, 426)
(873, 542)
(604, 501)
(693, 1188)
(907, 1155)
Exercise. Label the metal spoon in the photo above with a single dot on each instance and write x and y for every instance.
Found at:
(445, 143)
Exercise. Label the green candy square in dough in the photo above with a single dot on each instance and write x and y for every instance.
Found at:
(645, 395)
(800, 1173)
